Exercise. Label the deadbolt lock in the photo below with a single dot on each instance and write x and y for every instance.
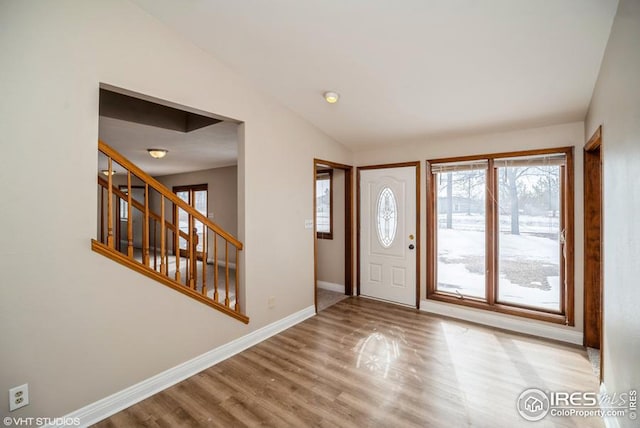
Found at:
(411, 237)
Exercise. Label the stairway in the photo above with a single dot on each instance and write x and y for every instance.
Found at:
(201, 262)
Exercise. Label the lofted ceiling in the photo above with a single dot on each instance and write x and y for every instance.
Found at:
(408, 69)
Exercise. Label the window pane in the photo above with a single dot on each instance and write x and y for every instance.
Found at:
(323, 205)
(183, 218)
(201, 201)
(201, 207)
(460, 239)
(528, 242)
(124, 209)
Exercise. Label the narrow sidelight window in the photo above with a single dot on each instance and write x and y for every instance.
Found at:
(324, 204)
(501, 233)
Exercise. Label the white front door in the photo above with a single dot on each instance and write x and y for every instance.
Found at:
(388, 234)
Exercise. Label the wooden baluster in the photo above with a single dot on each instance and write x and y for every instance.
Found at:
(215, 267)
(205, 230)
(145, 227)
(192, 254)
(226, 273)
(129, 217)
(187, 259)
(237, 306)
(102, 214)
(163, 232)
(110, 206)
(155, 245)
(118, 227)
(176, 241)
(166, 263)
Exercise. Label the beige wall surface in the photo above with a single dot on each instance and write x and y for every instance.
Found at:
(571, 134)
(74, 325)
(331, 251)
(616, 106)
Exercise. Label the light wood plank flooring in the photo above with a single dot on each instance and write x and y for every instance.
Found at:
(363, 363)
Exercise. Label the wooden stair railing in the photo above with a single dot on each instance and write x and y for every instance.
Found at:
(224, 297)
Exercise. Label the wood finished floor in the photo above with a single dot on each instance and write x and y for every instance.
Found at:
(363, 363)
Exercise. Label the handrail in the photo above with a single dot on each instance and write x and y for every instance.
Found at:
(183, 260)
(159, 187)
(124, 260)
(119, 193)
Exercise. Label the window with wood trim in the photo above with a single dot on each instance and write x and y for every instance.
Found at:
(324, 203)
(500, 233)
(197, 196)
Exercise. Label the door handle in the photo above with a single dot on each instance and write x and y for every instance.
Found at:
(411, 246)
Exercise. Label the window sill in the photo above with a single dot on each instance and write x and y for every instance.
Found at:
(500, 308)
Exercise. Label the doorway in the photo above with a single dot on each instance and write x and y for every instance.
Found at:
(388, 232)
(593, 283)
(333, 232)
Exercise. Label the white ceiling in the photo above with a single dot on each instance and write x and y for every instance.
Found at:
(408, 69)
(213, 146)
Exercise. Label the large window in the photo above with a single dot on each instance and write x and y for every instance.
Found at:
(324, 203)
(461, 213)
(501, 233)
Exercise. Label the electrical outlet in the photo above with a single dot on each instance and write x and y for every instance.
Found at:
(18, 397)
(272, 302)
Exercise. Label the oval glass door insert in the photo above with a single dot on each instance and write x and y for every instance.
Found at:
(387, 218)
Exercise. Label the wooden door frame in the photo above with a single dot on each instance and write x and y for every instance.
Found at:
(348, 230)
(416, 164)
(593, 272)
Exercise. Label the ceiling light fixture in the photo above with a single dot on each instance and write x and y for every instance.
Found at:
(106, 172)
(157, 153)
(331, 97)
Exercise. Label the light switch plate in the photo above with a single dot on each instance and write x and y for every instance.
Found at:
(308, 224)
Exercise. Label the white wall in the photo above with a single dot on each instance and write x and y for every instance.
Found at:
(331, 251)
(73, 324)
(616, 106)
(571, 134)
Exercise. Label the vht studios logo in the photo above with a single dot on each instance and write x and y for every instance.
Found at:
(534, 404)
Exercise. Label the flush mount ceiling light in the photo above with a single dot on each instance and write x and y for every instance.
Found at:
(157, 153)
(331, 97)
(106, 172)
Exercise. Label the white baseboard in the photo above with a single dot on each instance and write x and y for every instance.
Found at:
(221, 263)
(503, 321)
(609, 422)
(101, 409)
(331, 286)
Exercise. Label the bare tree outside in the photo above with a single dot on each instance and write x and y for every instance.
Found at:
(528, 215)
